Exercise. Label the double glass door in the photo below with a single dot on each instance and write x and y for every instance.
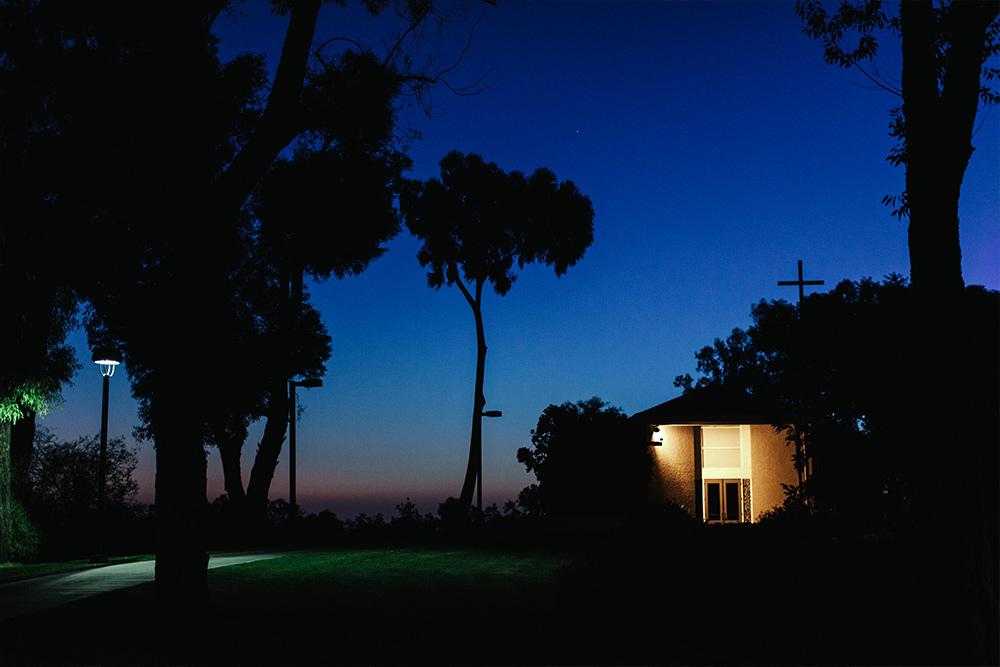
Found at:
(723, 501)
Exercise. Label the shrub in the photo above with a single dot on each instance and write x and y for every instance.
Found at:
(24, 537)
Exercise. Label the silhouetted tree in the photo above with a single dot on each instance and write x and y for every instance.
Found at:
(476, 222)
(63, 498)
(945, 76)
(945, 48)
(160, 180)
(837, 369)
(849, 366)
(162, 188)
(26, 392)
(157, 183)
(264, 353)
(34, 364)
(327, 211)
(36, 266)
(587, 461)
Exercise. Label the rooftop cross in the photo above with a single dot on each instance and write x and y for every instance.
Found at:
(800, 282)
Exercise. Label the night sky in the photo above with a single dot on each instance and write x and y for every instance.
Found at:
(717, 148)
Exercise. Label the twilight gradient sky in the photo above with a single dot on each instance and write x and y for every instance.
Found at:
(717, 148)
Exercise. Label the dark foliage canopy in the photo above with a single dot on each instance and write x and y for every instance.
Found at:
(842, 365)
(587, 459)
(329, 208)
(36, 235)
(329, 212)
(477, 221)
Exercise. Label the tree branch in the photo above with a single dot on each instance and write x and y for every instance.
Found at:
(416, 22)
(318, 51)
(878, 82)
(279, 122)
(418, 83)
(457, 279)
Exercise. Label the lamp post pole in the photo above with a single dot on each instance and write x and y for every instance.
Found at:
(102, 467)
(291, 445)
(479, 486)
(106, 359)
(308, 383)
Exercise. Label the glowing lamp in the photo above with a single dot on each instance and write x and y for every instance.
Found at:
(107, 358)
(656, 438)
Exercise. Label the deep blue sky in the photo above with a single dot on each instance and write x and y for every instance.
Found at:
(717, 148)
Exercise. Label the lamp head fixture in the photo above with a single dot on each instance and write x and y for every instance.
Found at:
(107, 358)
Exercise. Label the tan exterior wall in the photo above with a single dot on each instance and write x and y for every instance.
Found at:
(673, 467)
(772, 466)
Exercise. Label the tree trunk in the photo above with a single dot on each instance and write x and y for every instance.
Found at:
(935, 255)
(939, 110)
(181, 558)
(230, 449)
(474, 470)
(268, 450)
(6, 522)
(938, 132)
(22, 445)
(280, 122)
(266, 460)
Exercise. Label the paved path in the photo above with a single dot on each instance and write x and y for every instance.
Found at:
(31, 595)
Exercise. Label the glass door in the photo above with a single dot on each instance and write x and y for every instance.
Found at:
(723, 501)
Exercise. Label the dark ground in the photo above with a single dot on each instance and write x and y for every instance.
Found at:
(707, 596)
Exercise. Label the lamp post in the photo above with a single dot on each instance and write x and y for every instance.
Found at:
(479, 486)
(307, 383)
(107, 359)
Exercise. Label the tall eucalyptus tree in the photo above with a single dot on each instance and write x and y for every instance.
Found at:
(476, 222)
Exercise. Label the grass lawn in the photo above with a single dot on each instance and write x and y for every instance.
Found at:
(685, 605)
(393, 605)
(15, 571)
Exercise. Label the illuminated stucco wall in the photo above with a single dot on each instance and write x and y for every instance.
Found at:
(772, 466)
(673, 466)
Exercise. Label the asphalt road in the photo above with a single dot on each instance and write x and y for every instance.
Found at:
(30, 595)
